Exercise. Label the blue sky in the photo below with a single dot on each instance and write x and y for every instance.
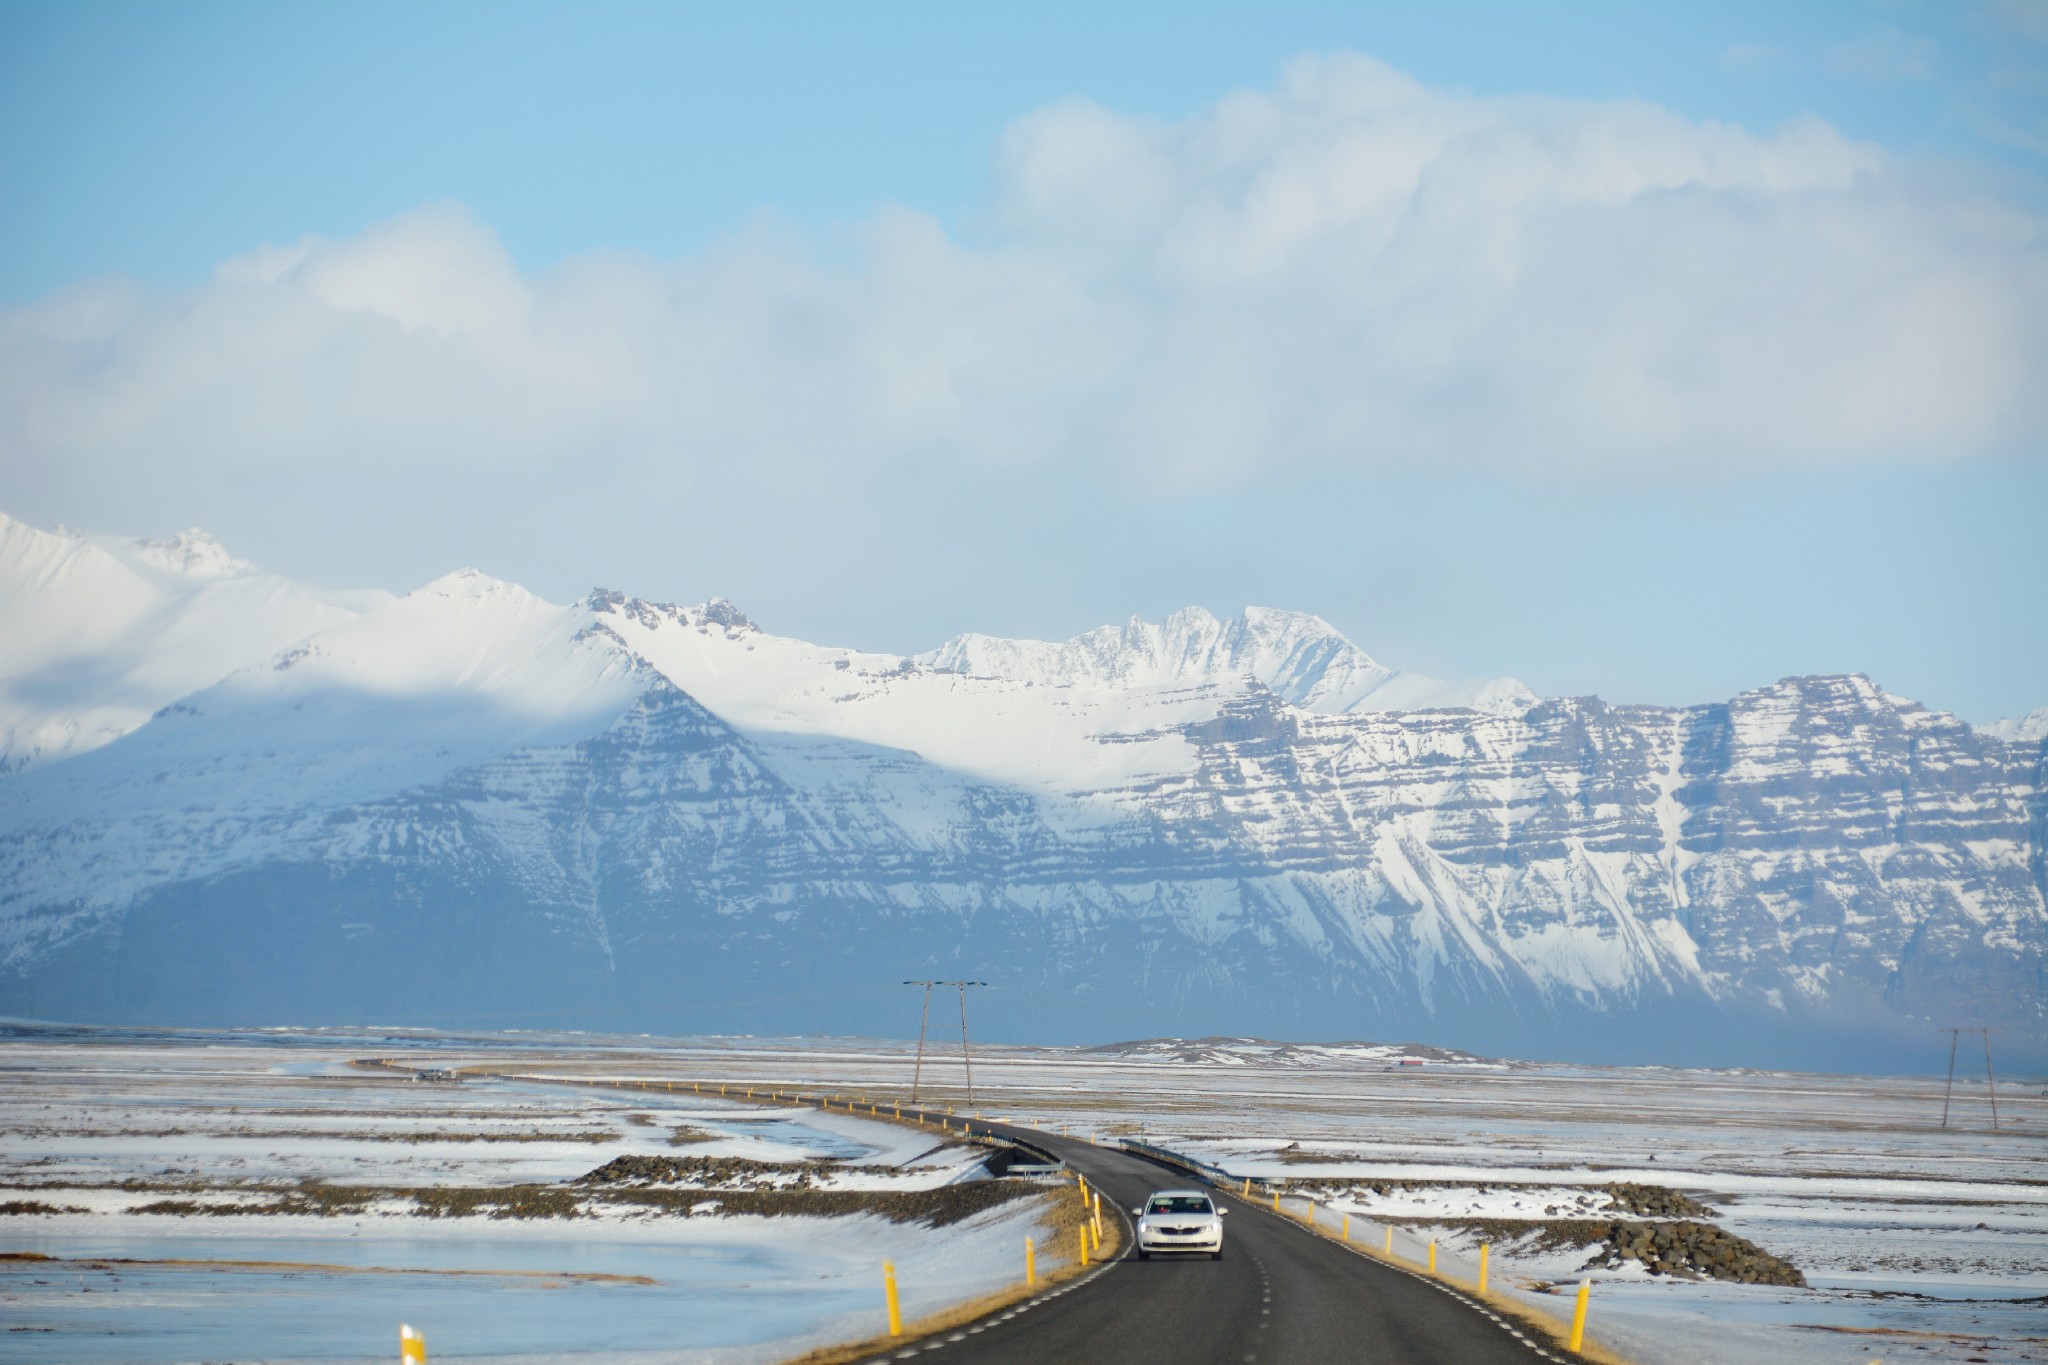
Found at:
(1074, 351)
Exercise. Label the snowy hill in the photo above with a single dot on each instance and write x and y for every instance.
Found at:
(471, 806)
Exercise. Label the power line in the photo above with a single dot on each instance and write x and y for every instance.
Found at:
(924, 1019)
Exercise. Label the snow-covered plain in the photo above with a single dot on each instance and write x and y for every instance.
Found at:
(117, 1132)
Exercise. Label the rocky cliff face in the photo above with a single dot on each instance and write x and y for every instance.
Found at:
(564, 830)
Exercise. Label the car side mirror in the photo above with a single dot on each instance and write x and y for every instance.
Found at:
(1220, 1210)
(1140, 1210)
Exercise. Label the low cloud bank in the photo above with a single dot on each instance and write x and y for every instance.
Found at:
(1350, 271)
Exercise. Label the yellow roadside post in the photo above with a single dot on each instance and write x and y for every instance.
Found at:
(1432, 1258)
(889, 1288)
(1030, 1262)
(1311, 1213)
(1390, 1239)
(412, 1347)
(1579, 1316)
(1276, 1200)
(1082, 1233)
(1347, 1227)
(1483, 1249)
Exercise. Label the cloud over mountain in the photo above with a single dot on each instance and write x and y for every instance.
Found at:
(1348, 271)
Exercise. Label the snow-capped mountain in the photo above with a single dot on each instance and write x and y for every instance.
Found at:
(1299, 658)
(471, 806)
(2027, 729)
(101, 632)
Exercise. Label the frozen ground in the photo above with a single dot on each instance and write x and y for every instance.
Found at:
(1919, 1242)
(136, 1166)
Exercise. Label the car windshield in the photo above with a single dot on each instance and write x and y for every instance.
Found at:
(1179, 1203)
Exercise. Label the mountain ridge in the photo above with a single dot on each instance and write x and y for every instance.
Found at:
(469, 799)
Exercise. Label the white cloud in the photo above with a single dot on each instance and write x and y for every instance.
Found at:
(1348, 271)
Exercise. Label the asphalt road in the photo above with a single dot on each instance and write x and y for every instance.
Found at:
(1280, 1294)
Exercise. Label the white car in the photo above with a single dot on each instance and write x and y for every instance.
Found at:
(1180, 1220)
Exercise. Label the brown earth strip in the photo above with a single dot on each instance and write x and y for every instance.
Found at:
(312, 1267)
(939, 1207)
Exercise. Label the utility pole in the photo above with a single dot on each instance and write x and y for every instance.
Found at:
(966, 1056)
(1955, 1037)
(924, 1017)
(1990, 1080)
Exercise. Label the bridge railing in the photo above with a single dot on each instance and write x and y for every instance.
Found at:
(1203, 1171)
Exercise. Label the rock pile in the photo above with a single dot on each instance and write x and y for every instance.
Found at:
(1700, 1249)
(1653, 1201)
